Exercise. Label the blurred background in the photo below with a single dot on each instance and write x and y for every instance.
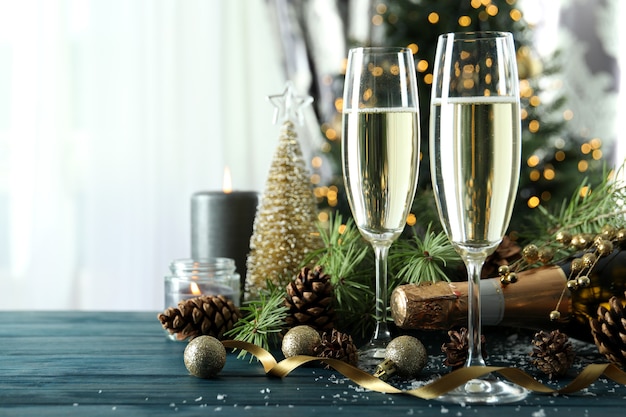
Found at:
(114, 112)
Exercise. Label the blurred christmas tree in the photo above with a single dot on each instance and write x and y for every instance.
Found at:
(555, 159)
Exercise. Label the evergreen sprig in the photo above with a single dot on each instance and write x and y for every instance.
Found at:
(347, 258)
(589, 208)
(263, 319)
(422, 259)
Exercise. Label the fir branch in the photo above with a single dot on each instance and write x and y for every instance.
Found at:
(347, 258)
(589, 208)
(427, 259)
(263, 319)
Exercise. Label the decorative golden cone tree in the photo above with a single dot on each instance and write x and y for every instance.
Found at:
(285, 228)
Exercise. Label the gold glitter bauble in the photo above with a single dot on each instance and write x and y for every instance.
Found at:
(546, 255)
(530, 253)
(205, 357)
(564, 238)
(577, 265)
(589, 259)
(604, 247)
(301, 340)
(408, 354)
(608, 231)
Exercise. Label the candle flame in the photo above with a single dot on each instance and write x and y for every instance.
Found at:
(227, 184)
(195, 290)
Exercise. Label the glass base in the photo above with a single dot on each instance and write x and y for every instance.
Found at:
(488, 390)
(372, 354)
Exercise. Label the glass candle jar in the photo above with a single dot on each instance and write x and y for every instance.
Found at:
(190, 278)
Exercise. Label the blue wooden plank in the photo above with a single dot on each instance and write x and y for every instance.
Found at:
(97, 363)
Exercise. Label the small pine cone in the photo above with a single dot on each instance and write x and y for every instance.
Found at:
(337, 345)
(609, 332)
(310, 300)
(552, 353)
(456, 349)
(205, 315)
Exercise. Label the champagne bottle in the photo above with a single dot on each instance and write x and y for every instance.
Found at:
(528, 303)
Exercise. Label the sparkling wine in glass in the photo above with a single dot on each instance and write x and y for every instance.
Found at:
(380, 157)
(475, 151)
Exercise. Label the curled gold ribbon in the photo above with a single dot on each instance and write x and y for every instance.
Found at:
(436, 388)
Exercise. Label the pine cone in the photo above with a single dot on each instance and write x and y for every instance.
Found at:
(456, 349)
(205, 315)
(552, 353)
(309, 300)
(337, 345)
(609, 332)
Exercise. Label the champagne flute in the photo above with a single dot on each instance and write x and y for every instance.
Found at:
(475, 151)
(380, 158)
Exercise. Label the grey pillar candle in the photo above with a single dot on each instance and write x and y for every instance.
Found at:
(221, 226)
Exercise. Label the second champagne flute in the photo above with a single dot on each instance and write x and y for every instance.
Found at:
(475, 151)
(380, 157)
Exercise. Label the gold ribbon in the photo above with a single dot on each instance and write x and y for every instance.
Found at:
(436, 388)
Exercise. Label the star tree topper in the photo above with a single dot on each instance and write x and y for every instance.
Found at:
(288, 105)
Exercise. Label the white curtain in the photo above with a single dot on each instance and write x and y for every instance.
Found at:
(112, 114)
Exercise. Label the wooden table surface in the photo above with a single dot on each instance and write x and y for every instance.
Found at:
(108, 364)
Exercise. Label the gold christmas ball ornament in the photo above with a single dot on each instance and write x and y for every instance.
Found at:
(405, 356)
(511, 278)
(604, 247)
(577, 265)
(204, 357)
(546, 255)
(503, 270)
(608, 231)
(583, 281)
(300, 340)
(564, 238)
(589, 259)
(555, 315)
(530, 253)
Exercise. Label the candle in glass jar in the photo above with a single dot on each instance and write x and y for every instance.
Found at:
(189, 278)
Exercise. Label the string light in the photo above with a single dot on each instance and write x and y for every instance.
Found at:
(533, 161)
(465, 21)
(549, 173)
(534, 175)
(583, 166)
(317, 162)
(533, 202)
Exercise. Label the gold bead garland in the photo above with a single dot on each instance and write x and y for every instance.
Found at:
(596, 246)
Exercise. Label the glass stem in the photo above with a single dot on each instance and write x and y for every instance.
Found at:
(474, 266)
(381, 333)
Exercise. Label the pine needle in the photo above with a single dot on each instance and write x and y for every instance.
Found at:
(427, 259)
(263, 319)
